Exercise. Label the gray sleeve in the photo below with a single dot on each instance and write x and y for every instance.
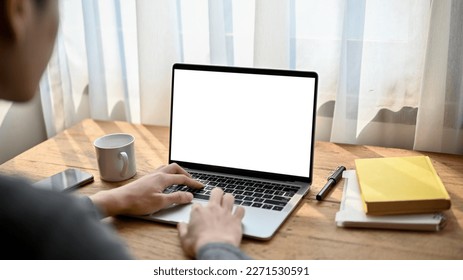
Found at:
(220, 251)
(41, 224)
(78, 233)
(91, 209)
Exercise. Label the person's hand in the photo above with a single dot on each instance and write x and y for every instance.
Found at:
(145, 195)
(212, 223)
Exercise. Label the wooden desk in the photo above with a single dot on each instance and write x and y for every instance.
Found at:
(309, 233)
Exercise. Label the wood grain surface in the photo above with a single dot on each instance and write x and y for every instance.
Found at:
(309, 233)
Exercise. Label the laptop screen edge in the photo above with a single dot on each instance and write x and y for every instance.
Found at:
(236, 171)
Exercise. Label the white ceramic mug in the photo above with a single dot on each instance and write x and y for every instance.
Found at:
(116, 156)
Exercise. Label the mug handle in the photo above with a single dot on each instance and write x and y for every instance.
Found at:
(125, 160)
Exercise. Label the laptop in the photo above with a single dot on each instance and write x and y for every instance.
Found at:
(249, 131)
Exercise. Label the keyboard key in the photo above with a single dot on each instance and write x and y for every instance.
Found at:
(259, 195)
(289, 189)
(201, 196)
(267, 206)
(277, 208)
(257, 204)
(290, 194)
(275, 202)
(281, 198)
(246, 203)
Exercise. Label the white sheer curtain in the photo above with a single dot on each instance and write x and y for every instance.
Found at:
(391, 72)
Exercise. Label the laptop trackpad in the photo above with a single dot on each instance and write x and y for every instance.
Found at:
(174, 214)
(264, 229)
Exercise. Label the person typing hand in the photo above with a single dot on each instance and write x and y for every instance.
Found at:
(215, 223)
(145, 195)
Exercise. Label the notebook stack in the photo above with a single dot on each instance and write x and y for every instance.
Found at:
(394, 193)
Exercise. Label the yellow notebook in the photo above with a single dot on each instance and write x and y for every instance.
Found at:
(400, 185)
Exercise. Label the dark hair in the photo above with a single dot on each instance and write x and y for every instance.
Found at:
(3, 13)
(40, 3)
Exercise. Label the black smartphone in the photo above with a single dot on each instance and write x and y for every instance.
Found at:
(68, 180)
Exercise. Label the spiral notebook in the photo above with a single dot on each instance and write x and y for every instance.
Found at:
(352, 214)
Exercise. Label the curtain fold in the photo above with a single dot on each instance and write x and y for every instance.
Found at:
(434, 79)
(271, 34)
(442, 90)
(158, 48)
(390, 71)
(346, 109)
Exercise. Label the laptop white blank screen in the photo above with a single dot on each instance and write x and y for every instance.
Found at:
(247, 121)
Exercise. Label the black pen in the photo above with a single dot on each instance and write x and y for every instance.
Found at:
(333, 179)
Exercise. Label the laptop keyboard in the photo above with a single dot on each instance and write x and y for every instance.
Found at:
(272, 196)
